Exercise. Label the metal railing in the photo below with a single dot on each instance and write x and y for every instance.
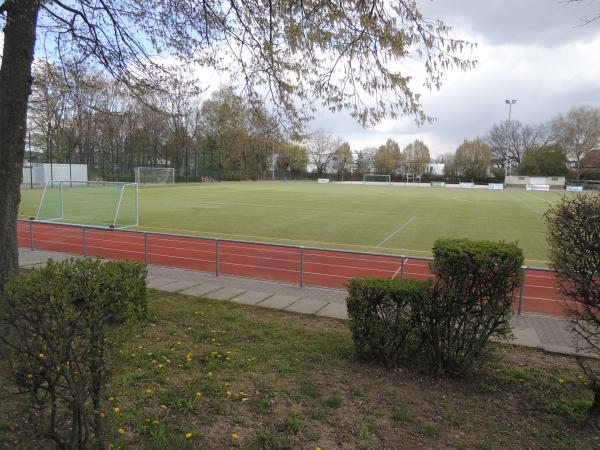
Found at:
(302, 265)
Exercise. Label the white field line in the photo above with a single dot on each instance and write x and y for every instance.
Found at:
(400, 228)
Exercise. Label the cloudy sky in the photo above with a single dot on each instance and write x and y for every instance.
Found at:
(535, 51)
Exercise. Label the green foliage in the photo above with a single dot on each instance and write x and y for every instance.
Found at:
(574, 238)
(444, 326)
(473, 293)
(382, 319)
(549, 160)
(56, 323)
(472, 160)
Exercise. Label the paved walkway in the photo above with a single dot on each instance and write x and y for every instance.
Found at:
(531, 330)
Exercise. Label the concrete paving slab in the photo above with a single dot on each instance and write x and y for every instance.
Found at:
(227, 293)
(278, 301)
(178, 286)
(159, 283)
(335, 311)
(202, 290)
(527, 337)
(307, 306)
(251, 297)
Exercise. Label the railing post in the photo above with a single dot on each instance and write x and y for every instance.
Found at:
(84, 238)
(521, 288)
(217, 256)
(145, 248)
(404, 258)
(302, 266)
(31, 235)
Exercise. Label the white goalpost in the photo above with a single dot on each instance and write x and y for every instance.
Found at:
(376, 178)
(99, 203)
(154, 175)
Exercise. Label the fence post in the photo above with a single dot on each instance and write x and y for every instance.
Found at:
(302, 266)
(217, 256)
(84, 238)
(31, 235)
(521, 288)
(145, 248)
(404, 258)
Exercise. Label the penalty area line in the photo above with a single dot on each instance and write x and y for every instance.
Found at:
(398, 230)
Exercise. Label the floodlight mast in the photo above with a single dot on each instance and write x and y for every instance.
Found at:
(509, 103)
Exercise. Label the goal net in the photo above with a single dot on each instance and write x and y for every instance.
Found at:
(375, 178)
(90, 203)
(154, 175)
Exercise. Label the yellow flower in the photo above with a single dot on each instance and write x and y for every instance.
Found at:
(234, 436)
(198, 394)
(41, 356)
(156, 422)
(560, 380)
(210, 374)
(317, 448)
(29, 376)
(178, 342)
(188, 435)
(163, 406)
(121, 431)
(117, 410)
(110, 399)
(148, 391)
(101, 414)
(161, 365)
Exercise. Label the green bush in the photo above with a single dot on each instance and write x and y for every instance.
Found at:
(445, 325)
(55, 322)
(471, 302)
(382, 317)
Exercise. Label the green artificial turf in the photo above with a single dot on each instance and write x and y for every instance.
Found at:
(390, 219)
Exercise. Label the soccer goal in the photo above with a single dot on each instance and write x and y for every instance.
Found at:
(375, 178)
(154, 175)
(98, 203)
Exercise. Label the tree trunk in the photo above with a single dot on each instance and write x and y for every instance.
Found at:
(15, 88)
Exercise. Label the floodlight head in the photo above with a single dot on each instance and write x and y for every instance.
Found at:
(510, 102)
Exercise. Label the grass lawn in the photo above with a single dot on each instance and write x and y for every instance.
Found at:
(246, 377)
(404, 220)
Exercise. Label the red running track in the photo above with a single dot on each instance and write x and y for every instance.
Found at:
(290, 264)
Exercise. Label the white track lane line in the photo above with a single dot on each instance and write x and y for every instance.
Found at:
(400, 228)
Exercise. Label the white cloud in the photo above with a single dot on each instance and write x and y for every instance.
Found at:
(548, 74)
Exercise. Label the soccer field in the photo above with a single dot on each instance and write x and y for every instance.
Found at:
(386, 219)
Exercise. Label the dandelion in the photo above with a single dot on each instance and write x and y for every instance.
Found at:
(29, 376)
(148, 391)
(41, 356)
(198, 394)
(163, 407)
(121, 431)
(161, 365)
(178, 342)
(317, 448)
(156, 422)
(228, 393)
(560, 380)
(188, 435)
(210, 374)
(234, 436)
(117, 410)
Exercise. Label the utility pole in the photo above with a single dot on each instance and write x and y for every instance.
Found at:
(509, 103)
(273, 160)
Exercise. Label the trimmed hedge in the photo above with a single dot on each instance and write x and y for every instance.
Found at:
(445, 325)
(56, 327)
(382, 317)
(473, 294)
